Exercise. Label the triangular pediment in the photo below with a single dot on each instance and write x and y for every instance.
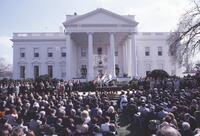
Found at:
(100, 16)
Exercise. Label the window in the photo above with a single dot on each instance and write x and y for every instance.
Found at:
(63, 71)
(99, 51)
(83, 52)
(117, 70)
(116, 53)
(147, 73)
(22, 71)
(159, 51)
(148, 68)
(147, 51)
(50, 52)
(22, 52)
(50, 71)
(83, 66)
(36, 71)
(83, 71)
(63, 52)
(36, 52)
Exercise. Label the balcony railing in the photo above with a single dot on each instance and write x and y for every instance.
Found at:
(38, 35)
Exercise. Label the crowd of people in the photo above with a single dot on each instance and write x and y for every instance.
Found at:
(162, 107)
(45, 108)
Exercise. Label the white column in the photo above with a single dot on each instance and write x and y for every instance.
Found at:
(55, 70)
(112, 55)
(108, 60)
(134, 55)
(28, 70)
(124, 58)
(121, 59)
(43, 68)
(68, 56)
(90, 57)
(129, 57)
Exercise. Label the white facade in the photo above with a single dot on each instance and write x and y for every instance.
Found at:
(97, 41)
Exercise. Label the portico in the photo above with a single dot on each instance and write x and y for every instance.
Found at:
(104, 35)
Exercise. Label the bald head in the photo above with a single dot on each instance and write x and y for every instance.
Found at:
(167, 131)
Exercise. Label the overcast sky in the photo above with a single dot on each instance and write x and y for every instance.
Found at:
(48, 15)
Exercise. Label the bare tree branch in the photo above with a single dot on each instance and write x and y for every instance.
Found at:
(3, 66)
(184, 42)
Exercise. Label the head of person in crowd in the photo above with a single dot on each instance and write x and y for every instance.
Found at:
(18, 132)
(197, 132)
(167, 131)
(185, 126)
(30, 133)
(111, 109)
(85, 116)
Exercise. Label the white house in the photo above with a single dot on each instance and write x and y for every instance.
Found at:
(96, 42)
